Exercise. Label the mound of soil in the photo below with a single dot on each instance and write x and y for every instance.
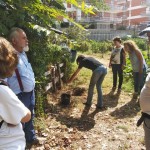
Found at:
(78, 91)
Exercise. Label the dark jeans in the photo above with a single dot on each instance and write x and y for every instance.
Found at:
(28, 99)
(117, 70)
(138, 80)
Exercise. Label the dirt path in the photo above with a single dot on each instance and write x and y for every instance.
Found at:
(80, 128)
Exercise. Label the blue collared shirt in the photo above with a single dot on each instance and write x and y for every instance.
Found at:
(26, 74)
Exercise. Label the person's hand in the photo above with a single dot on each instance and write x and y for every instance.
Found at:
(109, 65)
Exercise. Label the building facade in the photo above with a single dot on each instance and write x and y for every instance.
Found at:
(128, 13)
(121, 15)
(125, 12)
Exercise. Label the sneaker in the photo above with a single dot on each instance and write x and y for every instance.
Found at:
(87, 104)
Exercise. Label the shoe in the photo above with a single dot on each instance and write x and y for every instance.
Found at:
(87, 104)
(101, 107)
(135, 95)
(33, 142)
(119, 90)
(113, 88)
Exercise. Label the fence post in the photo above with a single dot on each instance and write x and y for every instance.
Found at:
(59, 76)
(53, 78)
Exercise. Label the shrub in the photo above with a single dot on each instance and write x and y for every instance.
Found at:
(103, 46)
(84, 46)
(141, 43)
(42, 54)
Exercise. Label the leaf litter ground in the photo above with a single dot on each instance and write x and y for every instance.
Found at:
(77, 127)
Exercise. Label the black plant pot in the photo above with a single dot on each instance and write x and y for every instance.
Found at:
(65, 99)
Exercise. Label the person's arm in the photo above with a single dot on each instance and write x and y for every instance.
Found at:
(110, 60)
(27, 117)
(140, 58)
(123, 59)
(13, 111)
(74, 75)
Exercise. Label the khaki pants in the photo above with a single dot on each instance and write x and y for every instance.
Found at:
(146, 127)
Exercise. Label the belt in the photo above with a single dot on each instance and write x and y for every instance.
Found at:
(1, 123)
(24, 92)
(143, 116)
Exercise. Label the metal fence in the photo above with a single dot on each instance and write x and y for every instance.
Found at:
(100, 35)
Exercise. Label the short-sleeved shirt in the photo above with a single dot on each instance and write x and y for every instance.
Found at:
(12, 110)
(26, 74)
(89, 63)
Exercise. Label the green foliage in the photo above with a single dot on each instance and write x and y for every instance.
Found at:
(97, 5)
(43, 53)
(101, 46)
(44, 50)
(128, 70)
(141, 43)
(76, 33)
(84, 46)
(32, 12)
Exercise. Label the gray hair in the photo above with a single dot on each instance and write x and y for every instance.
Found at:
(13, 33)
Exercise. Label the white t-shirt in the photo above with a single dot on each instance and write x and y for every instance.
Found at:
(116, 52)
(12, 110)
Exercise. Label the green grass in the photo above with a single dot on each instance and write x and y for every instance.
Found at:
(85, 74)
(128, 86)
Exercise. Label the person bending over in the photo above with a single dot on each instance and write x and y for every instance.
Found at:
(98, 73)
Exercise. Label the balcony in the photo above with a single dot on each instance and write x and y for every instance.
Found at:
(121, 1)
(101, 19)
(116, 8)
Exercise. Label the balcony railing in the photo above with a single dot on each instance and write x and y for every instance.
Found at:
(115, 8)
(121, 1)
(101, 19)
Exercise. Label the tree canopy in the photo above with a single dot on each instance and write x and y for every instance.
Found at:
(28, 13)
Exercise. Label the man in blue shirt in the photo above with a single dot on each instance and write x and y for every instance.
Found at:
(22, 82)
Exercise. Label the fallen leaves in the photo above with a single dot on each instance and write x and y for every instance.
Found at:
(78, 128)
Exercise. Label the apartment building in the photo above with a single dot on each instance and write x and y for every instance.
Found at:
(131, 12)
(122, 14)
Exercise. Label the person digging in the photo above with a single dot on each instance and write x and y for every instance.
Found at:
(99, 72)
